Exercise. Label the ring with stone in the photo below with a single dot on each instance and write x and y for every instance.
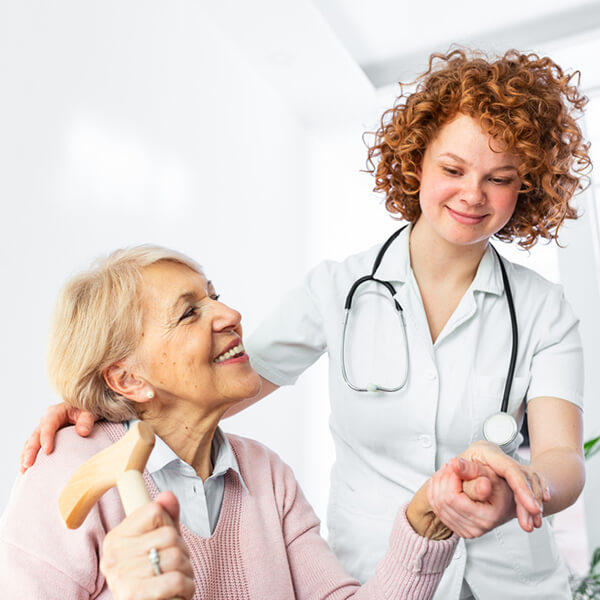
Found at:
(155, 560)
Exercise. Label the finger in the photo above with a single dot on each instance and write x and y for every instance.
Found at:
(145, 519)
(168, 501)
(166, 586)
(84, 421)
(511, 472)
(478, 490)
(446, 494)
(545, 490)
(537, 487)
(547, 494)
(525, 518)
(173, 558)
(30, 450)
(122, 550)
(476, 478)
(466, 469)
(459, 523)
(50, 423)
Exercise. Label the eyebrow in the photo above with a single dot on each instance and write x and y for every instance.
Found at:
(463, 161)
(189, 296)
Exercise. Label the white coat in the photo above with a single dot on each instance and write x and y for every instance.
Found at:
(388, 444)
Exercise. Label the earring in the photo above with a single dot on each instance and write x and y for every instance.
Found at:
(149, 394)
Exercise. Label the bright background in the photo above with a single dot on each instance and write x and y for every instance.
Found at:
(232, 131)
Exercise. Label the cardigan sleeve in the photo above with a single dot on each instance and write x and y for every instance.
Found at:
(24, 576)
(411, 569)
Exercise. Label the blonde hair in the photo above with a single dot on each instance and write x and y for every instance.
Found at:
(97, 321)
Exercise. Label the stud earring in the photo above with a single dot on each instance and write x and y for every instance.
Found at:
(149, 394)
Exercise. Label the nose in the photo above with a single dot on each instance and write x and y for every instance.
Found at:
(472, 192)
(225, 318)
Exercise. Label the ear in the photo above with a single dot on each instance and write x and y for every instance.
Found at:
(125, 382)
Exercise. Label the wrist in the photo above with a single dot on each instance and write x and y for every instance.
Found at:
(423, 520)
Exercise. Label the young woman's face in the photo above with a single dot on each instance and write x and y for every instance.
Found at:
(468, 190)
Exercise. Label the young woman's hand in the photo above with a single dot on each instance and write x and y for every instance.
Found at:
(57, 416)
(126, 554)
(527, 486)
(470, 508)
(470, 480)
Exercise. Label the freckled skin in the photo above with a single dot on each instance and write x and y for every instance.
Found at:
(187, 329)
(475, 185)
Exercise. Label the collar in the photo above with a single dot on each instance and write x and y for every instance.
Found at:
(222, 455)
(395, 266)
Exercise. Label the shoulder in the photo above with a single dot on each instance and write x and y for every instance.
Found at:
(533, 288)
(52, 471)
(252, 456)
(341, 274)
(262, 468)
(32, 523)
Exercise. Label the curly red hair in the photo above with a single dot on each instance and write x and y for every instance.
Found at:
(522, 100)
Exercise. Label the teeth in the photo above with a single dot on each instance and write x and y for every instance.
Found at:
(235, 350)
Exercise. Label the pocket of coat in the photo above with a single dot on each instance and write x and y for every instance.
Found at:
(533, 556)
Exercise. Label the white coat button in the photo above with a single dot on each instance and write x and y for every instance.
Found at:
(430, 374)
(425, 440)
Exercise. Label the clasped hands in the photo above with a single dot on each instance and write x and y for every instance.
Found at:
(482, 489)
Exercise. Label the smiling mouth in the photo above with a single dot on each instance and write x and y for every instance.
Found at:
(465, 218)
(234, 352)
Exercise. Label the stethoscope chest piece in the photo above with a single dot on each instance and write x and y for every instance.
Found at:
(500, 429)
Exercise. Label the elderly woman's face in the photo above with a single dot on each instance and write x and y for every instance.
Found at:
(191, 347)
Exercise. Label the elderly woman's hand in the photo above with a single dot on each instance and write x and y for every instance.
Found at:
(125, 559)
(528, 487)
(56, 417)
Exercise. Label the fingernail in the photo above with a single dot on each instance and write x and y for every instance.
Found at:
(462, 463)
(530, 521)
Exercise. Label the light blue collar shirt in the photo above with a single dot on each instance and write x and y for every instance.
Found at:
(200, 501)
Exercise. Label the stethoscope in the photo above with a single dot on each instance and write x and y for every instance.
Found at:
(499, 428)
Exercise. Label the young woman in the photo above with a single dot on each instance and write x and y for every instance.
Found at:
(482, 148)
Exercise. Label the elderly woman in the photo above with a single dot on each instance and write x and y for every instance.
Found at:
(143, 336)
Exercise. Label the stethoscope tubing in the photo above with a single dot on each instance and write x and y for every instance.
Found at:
(388, 285)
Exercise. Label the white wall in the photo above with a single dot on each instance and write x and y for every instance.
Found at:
(125, 123)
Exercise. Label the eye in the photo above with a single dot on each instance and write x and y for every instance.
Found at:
(451, 171)
(500, 180)
(215, 297)
(190, 312)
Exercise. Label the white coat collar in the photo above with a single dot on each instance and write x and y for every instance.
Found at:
(395, 266)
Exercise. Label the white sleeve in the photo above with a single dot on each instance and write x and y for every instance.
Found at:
(292, 338)
(557, 363)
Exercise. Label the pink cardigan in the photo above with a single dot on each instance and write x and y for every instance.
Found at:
(266, 544)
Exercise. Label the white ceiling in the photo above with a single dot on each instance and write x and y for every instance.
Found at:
(330, 58)
(392, 39)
